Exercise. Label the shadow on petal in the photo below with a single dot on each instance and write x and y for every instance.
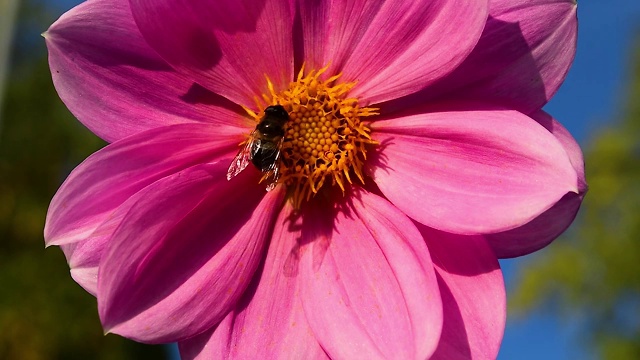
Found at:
(453, 323)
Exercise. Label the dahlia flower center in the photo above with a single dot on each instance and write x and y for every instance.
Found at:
(325, 139)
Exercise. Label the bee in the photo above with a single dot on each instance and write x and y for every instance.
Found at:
(263, 148)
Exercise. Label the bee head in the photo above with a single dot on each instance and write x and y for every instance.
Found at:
(277, 111)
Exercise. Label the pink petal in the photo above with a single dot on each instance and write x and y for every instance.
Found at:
(473, 295)
(567, 141)
(86, 272)
(87, 278)
(115, 84)
(542, 230)
(110, 176)
(184, 255)
(470, 171)
(228, 46)
(367, 283)
(268, 320)
(85, 257)
(392, 48)
(521, 60)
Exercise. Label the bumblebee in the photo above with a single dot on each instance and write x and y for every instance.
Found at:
(263, 148)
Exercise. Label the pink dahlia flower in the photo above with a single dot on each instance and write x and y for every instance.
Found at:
(412, 155)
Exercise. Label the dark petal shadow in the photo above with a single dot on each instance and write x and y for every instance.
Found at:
(199, 95)
(452, 328)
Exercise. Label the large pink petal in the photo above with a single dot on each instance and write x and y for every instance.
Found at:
(470, 171)
(367, 282)
(228, 46)
(114, 83)
(521, 60)
(392, 48)
(110, 176)
(184, 255)
(269, 319)
(84, 255)
(473, 295)
(541, 231)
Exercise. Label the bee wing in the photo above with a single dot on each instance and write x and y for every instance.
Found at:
(273, 173)
(244, 156)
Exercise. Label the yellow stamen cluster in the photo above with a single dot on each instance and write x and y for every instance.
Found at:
(325, 137)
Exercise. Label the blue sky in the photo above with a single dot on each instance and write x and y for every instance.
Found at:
(591, 96)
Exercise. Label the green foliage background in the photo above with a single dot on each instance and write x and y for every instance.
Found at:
(592, 274)
(44, 314)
